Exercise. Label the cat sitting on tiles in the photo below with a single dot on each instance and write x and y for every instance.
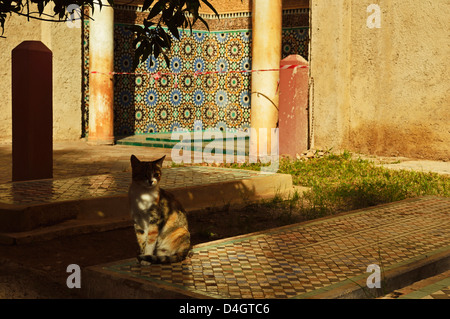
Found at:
(159, 219)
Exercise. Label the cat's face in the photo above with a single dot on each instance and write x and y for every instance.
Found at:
(146, 174)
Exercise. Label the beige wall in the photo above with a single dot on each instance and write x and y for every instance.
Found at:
(65, 44)
(229, 6)
(381, 91)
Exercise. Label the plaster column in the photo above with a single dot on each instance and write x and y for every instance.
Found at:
(101, 85)
(266, 54)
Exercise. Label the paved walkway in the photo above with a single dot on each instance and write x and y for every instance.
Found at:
(327, 258)
(76, 158)
(93, 186)
(438, 167)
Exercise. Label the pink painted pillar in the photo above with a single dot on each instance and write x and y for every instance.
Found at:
(32, 112)
(293, 107)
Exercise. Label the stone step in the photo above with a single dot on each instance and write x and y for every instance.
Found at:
(36, 205)
(196, 137)
(164, 140)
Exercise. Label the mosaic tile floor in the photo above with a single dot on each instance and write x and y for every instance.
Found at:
(302, 260)
(436, 287)
(443, 293)
(54, 190)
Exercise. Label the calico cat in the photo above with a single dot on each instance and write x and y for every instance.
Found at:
(159, 219)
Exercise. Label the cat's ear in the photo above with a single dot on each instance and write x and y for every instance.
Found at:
(134, 160)
(160, 161)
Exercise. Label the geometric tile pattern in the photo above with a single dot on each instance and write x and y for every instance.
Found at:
(295, 41)
(300, 260)
(440, 294)
(183, 99)
(55, 190)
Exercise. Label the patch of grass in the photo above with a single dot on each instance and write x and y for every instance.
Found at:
(340, 183)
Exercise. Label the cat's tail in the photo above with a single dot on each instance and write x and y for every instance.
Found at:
(154, 259)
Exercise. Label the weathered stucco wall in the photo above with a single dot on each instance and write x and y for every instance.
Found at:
(65, 43)
(329, 71)
(230, 6)
(385, 90)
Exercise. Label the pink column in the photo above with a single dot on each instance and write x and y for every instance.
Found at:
(293, 107)
(32, 113)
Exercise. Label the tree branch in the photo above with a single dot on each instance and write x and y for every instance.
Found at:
(50, 20)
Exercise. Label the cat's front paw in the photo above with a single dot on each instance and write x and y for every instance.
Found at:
(143, 262)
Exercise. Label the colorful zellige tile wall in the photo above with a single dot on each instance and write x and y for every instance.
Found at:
(184, 99)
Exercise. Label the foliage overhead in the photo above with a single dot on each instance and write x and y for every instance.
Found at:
(150, 39)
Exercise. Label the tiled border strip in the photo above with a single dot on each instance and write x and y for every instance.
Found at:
(427, 290)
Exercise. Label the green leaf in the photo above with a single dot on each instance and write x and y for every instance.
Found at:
(2, 22)
(166, 58)
(157, 8)
(167, 14)
(137, 55)
(174, 30)
(40, 6)
(161, 39)
(157, 50)
(167, 40)
(211, 7)
(148, 23)
(195, 16)
(136, 42)
(147, 4)
(135, 28)
(190, 25)
(204, 22)
(147, 53)
(178, 18)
